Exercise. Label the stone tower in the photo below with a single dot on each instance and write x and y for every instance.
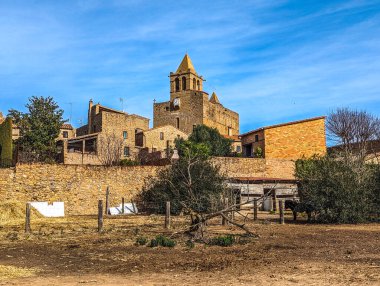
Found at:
(189, 105)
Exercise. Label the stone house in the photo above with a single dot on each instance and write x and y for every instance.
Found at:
(291, 140)
(189, 105)
(108, 130)
(67, 131)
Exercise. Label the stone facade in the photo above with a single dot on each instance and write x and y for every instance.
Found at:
(162, 138)
(291, 140)
(105, 125)
(189, 105)
(67, 131)
(80, 187)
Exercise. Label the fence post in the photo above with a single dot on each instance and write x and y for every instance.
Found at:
(167, 216)
(27, 218)
(281, 205)
(224, 221)
(255, 209)
(107, 200)
(100, 215)
(122, 205)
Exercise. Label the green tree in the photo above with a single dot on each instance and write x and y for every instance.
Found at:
(39, 128)
(217, 144)
(338, 191)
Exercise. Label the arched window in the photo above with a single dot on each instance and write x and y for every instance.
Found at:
(198, 85)
(194, 84)
(183, 83)
(177, 84)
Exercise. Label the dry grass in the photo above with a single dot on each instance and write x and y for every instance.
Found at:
(13, 212)
(8, 272)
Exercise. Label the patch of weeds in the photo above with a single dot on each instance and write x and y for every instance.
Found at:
(161, 240)
(190, 244)
(141, 240)
(223, 240)
(272, 212)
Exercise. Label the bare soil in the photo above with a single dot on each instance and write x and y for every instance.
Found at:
(70, 252)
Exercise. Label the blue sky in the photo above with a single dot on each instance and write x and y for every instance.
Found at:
(271, 61)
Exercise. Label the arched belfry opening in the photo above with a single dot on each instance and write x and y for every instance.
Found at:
(183, 83)
(177, 84)
(194, 84)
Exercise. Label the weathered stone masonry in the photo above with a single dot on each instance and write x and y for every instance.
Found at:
(80, 187)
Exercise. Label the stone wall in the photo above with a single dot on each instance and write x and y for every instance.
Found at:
(80, 187)
(304, 138)
(254, 167)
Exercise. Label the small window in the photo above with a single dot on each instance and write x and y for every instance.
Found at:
(229, 131)
(177, 84)
(65, 134)
(183, 83)
(161, 135)
(154, 149)
(256, 138)
(125, 134)
(238, 149)
(167, 108)
(198, 85)
(177, 122)
(194, 84)
(126, 151)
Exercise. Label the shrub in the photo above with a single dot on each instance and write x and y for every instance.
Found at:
(226, 240)
(190, 244)
(129, 162)
(161, 240)
(338, 191)
(141, 240)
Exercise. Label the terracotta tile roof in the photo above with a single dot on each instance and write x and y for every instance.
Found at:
(67, 126)
(282, 124)
(232, 137)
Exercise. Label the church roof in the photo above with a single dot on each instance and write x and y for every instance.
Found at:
(214, 98)
(186, 65)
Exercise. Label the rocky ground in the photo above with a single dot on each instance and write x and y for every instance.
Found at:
(70, 252)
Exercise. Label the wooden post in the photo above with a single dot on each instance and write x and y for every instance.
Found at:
(224, 221)
(255, 209)
(100, 216)
(122, 205)
(107, 201)
(167, 216)
(281, 205)
(133, 206)
(27, 218)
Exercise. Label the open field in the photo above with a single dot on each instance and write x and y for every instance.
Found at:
(69, 251)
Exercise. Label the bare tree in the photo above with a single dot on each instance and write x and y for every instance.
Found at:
(110, 149)
(353, 131)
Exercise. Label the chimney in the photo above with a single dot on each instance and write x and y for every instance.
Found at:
(89, 120)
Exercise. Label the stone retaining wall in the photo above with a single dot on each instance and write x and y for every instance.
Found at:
(80, 187)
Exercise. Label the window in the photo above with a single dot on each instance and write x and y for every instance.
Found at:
(183, 83)
(177, 122)
(229, 131)
(177, 84)
(238, 149)
(198, 85)
(154, 149)
(125, 134)
(161, 135)
(194, 84)
(256, 138)
(167, 108)
(126, 151)
(65, 134)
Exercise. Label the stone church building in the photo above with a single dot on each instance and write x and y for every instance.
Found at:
(189, 105)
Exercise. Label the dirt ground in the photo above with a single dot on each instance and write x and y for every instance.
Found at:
(69, 251)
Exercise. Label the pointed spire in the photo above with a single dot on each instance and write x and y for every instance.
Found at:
(186, 65)
(214, 98)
